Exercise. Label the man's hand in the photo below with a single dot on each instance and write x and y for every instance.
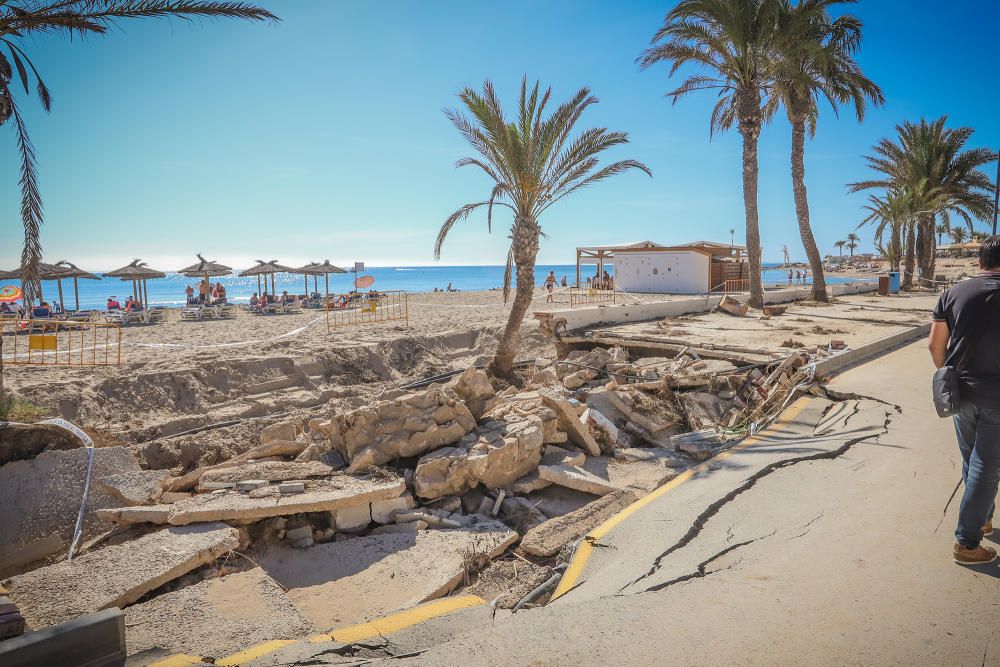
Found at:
(938, 343)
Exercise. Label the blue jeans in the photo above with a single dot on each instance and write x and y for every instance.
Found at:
(978, 431)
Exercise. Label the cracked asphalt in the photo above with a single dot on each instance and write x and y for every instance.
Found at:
(819, 545)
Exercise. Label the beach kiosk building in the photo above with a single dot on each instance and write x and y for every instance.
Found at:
(690, 268)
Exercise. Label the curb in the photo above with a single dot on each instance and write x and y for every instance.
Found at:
(585, 547)
(875, 348)
(384, 625)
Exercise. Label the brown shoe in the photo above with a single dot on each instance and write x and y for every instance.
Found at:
(988, 529)
(978, 556)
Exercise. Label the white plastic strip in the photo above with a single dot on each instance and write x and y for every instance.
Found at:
(89, 446)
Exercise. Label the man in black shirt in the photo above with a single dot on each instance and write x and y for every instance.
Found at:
(965, 334)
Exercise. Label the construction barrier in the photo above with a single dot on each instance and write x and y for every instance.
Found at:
(344, 310)
(585, 296)
(740, 285)
(59, 343)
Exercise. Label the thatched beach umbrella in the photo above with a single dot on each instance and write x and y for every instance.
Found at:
(138, 273)
(76, 273)
(316, 269)
(45, 272)
(265, 269)
(206, 269)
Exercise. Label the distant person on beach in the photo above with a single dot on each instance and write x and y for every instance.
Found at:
(805, 276)
(113, 303)
(550, 284)
(450, 288)
(189, 294)
(563, 283)
(254, 300)
(284, 298)
(202, 291)
(220, 292)
(965, 334)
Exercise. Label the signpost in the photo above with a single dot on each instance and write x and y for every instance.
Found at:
(359, 267)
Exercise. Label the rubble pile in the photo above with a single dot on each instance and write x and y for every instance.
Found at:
(333, 507)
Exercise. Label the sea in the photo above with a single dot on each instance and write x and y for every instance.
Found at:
(169, 291)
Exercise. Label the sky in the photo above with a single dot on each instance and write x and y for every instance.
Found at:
(323, 136)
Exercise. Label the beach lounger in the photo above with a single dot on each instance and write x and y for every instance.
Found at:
(272, 309)
(83, 316)
(191, 313)
(293, 307)
(154, 315)
(227, 311)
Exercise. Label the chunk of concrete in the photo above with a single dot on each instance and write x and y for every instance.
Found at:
(659, 455)
(272, 471)
(342, 583)
(473, 387)
(352, 517)
(699, 444)
(549, 537)
(528, 483)
(326, 496)
(248, 485)
(135, 487)
(573, 477)
(41, 497)
(117, 575)
(554, 456)
(569, 421)
(215, 617)
(285, 431)
(291, 488)
(383, 510)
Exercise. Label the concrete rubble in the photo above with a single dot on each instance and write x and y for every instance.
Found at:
(368, 508)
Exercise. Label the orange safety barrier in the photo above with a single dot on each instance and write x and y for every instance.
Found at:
(60, 343)
(344, 310)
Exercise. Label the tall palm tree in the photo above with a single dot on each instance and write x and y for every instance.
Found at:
(941, 230)
(734, 41)
(20, 22)
(852, 242)
(958, 234)
(893, 213)
(815, 61)
(839, 245)
(944, 177)
(533, 164)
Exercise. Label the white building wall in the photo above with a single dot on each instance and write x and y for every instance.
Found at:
(662, 272)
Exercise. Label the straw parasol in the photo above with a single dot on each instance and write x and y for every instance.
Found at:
(266, 269)
(316, 269)
(76, 273)
(45, 272)
(206, 269)
(138, 273)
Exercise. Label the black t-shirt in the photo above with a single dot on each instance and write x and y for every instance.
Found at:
(974, 344)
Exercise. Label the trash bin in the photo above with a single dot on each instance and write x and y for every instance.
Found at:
(894, 282)
(883, 285)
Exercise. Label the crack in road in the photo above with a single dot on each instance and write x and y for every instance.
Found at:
(702, 519)
(702, 569)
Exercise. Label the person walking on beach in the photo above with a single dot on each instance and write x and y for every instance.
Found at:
(965, 335)
(550, 285)
(789, 276)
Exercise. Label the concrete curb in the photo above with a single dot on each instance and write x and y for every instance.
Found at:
(874, 349)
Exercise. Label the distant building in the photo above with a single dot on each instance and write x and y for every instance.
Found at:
(648, 267)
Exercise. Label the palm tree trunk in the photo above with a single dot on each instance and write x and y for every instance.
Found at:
(911, 260)
(927, 266)
(897, 247)
(749, 123)
(802, 208)
(524, 242)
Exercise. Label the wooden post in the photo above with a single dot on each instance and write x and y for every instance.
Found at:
(577, 267)
(62, 304)
(76, 292)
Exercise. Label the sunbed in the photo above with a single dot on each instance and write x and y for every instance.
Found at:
(227, 310)
(157, 314)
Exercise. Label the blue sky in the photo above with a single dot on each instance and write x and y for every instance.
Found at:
(322, 136)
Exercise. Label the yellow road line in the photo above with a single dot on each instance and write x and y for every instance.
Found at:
(253, 652)
(404, 619)
(585, 548)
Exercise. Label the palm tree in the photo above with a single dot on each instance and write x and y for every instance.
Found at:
(20, 22)
(931, 162)
(815, 61)
(839, 245)
(852, 242)
(734, 41)
(533, 163)
(893, 213)
(958, 235)
(941, 230)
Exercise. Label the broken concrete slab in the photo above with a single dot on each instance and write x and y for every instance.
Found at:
(558, 500)
(499, 453)
(528, 483)
(640, 477)
(569, 421)
(473, 387)
(272, 471)
(699, 444)
(352, 517)
(215, 617)
(659, 455)
(549, 537)
(343, 583)
(558, 456)
(325, 496)
(383, 510)
(577, 478)
(135, 487)
(116, 575)
(41, 497)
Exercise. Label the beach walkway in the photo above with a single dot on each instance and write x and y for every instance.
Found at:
(825, 541)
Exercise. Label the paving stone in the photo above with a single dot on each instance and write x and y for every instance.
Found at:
(248, 485)
(290, 488)
(116, 575)
(342, 583)
(215, 617)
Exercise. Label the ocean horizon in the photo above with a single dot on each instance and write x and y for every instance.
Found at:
(169, 291)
